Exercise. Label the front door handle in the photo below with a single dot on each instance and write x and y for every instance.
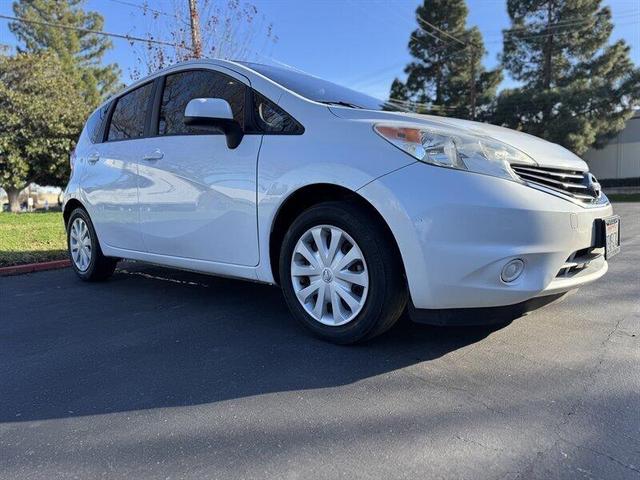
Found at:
(93, 158)
(157, 154)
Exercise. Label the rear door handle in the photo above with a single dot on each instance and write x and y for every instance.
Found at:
(93, 158)
(157, 154)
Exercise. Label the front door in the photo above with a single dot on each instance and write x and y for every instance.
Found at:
(197, 196)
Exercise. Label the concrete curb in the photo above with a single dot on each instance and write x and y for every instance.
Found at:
(33, 267)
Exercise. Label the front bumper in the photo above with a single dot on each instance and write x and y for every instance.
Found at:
(456, 230)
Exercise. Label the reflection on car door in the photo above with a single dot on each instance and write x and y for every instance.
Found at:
(197, 196)
(111, 179)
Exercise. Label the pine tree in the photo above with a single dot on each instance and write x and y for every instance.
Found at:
(576, 89)
(447, 76)
(80, 52)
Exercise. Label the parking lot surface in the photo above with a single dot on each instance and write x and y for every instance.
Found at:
(165, 374)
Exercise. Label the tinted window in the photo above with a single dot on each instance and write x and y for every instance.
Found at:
(271, 118)
(129, 115)
(95, 123)
(319, 90)
(184, 86)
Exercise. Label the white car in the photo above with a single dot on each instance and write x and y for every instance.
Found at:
(357, 211)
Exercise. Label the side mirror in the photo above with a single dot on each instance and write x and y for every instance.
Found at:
(214, 112)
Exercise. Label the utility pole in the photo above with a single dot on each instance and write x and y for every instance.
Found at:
(472, 80)
(196, 40)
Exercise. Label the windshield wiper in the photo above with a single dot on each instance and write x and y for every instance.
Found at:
(341, 104)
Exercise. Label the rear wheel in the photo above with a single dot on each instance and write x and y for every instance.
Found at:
(340, 273)
(85, 253)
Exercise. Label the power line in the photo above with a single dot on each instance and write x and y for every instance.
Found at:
(587, 21)
(147, 8)
(513, 33)
(572, 20)
(443, 32)
(419, 40)
(129, 38)
(549, 34)
(427, 32)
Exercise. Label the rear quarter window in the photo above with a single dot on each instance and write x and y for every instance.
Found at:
(95, 124)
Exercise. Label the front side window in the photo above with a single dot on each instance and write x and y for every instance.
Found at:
(128, 118)
(182, 87)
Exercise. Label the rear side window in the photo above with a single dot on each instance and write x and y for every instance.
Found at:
(270, 118)
(128, 118)
(95, 124)
(184, 86)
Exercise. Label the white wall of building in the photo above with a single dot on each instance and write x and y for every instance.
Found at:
(621, 157)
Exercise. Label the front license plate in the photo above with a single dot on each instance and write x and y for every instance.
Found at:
(611, 236)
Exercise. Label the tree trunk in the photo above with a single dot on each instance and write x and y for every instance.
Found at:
(546, 77)
(472, 83)
(548, 50)
(196, 41)
(14, 203)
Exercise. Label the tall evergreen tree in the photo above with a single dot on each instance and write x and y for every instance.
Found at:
(81, 52)
(447, 75)
(577, 90)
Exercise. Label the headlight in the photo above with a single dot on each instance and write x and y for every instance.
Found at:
(448, 148)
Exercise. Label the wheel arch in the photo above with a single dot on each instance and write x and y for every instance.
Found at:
(304, 198)
(69, 207)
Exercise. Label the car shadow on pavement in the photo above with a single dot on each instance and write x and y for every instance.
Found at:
(153, 338)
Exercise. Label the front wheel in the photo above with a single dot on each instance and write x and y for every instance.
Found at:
(340, 273)
(85, 253)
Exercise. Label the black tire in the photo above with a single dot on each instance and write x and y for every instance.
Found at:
(387, 295)
(100, 267)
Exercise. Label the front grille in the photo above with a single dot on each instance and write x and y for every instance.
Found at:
(580, 185)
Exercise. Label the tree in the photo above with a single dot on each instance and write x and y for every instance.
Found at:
(224, 29)
(447, 75)
(80, 52)
(40, 117)
(576, 89)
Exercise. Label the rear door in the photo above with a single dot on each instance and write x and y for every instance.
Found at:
(110, 178)
(198, 196)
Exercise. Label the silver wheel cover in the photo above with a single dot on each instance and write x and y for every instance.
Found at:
(329, 275)
(80, 244)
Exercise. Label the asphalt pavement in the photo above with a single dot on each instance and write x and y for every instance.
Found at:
(158, 373)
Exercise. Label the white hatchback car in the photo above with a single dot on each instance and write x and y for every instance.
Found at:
(357, 211)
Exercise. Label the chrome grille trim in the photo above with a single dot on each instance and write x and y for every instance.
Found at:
(541, 178)
(561, 174)
(574, 183)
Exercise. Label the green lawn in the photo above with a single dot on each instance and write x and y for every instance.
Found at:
(624, 197)
(31, 237)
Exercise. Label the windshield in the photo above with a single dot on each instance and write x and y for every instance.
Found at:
(319, 90)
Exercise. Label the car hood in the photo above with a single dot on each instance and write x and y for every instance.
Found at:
(544, 153)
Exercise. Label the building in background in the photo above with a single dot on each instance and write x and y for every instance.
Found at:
(41, 196)
(618, 163)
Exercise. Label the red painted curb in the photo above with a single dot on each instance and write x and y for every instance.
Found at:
(33, 267)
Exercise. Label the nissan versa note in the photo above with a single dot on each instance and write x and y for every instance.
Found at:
(357, 210)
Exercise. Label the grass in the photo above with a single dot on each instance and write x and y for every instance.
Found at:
(31, 237)
(624, 197)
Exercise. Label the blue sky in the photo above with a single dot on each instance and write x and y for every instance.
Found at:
(358, 43)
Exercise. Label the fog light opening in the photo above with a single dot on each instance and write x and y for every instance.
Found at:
(512, 270)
